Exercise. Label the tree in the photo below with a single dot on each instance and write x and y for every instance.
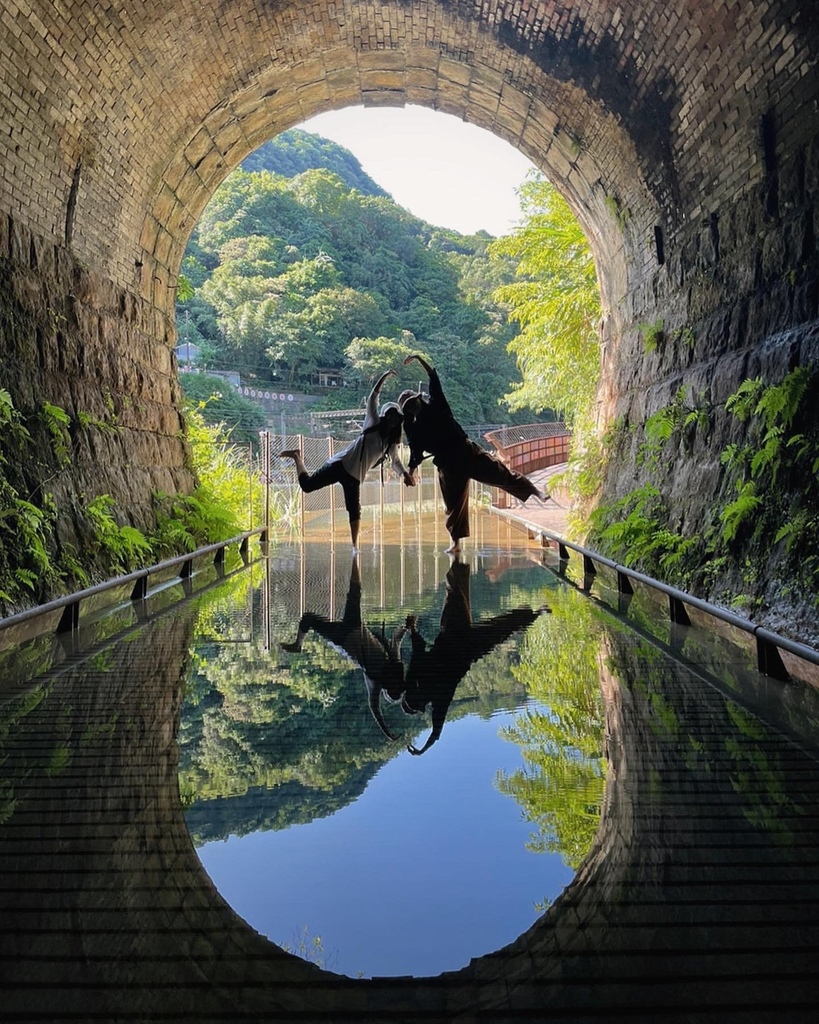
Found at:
(220, 404)
(289, 272)
(370, 357)
(556, 302)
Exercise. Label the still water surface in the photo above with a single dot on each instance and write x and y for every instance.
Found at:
(373, 835)
(686, 827)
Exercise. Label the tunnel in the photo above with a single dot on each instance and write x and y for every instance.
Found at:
(683, 137)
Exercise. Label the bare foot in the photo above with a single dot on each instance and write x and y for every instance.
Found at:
(454, 548)
(290, 453)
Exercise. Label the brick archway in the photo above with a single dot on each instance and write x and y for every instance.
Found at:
(683, 135)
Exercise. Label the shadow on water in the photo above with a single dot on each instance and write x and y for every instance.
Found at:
(678, 786)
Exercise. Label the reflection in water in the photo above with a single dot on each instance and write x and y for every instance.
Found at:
(697, 900)
(387, 838)
(434, 673)
(562, 738)
(379, 658)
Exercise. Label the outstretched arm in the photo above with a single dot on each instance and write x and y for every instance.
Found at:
(371, 412)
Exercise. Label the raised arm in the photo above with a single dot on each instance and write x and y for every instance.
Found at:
(380, 382)
(435, 389)
(371, 412)
(422, 361)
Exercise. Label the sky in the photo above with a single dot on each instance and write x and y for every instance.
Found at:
(444, 170)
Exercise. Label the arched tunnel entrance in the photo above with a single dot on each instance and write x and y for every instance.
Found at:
(685, 139)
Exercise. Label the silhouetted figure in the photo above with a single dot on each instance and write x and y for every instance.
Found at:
(431, 429)
(434, 673)
(379, 439)
(378, 658)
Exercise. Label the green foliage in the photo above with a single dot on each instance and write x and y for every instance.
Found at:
(556, 302)
(772, 468)
(295, 151)
(221, 405)
(184, 289)
(291, 271)
(227, 501)
(27, 565)
(769, 477)
(57, 422)
(677, 420)
(370, 357)
(124, 545)
(561, 788)
(633, 531)
(652, 334)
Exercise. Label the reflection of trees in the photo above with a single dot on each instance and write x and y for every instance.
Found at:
(268, 739)
(561, 788)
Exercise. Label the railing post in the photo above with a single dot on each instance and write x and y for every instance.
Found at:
(332, 492)
(677, 611)
(769, 660)
(265, 439)
(70, 619)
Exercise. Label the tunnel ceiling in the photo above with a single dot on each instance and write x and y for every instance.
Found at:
(126, 118)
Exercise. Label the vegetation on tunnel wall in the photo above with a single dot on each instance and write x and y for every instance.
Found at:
(767, 504)
(35, 563)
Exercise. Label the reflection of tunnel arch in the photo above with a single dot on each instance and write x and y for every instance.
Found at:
(683, 907)
(683, 136)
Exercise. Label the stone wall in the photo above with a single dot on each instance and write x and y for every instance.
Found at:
(75, 341)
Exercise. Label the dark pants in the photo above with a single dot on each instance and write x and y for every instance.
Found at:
(473, 463)
(335, 473)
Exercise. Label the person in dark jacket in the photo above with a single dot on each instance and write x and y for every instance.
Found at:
(431, 429)
(434, 672)
(378, 658)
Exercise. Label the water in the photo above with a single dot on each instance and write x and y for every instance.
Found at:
(397, 863)
(659, 792)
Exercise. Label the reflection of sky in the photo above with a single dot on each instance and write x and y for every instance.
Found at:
(427, 869)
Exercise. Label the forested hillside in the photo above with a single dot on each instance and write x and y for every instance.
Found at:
(295, 151)
(322, 270)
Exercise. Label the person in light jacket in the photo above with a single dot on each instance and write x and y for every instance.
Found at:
(379, 439)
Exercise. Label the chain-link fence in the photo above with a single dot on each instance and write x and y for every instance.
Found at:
(382, 493)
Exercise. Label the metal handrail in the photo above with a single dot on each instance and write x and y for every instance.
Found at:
(768, 643)
(139, 577)
(109, 642)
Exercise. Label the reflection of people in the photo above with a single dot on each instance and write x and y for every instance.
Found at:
(379, 438)
(432, 429)
(379, 659)
(434, 673)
